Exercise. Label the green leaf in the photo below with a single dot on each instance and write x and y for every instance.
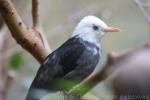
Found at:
(16, 60)
(68, 85)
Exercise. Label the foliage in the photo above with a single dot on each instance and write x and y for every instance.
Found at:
(16, 60)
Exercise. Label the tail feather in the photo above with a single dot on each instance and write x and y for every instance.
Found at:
(39, 89)
(36, 94)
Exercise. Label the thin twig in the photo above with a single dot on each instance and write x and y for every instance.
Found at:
(141, 6)
(35, 15)
(3, 65)
(37, 24)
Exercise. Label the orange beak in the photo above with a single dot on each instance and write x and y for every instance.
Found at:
(111, 29)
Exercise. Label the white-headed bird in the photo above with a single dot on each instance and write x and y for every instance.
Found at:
(73, 61)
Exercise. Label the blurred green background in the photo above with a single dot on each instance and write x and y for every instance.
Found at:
(59, 17)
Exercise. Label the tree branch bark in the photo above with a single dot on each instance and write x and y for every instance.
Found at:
(27, 37)
(35, 15)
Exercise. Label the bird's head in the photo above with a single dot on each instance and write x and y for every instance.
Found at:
(92, 29)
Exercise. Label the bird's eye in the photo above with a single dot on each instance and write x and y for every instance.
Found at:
(95, 27)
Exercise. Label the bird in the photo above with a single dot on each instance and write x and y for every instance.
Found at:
(73, 61)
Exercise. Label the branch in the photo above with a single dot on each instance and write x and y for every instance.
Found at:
(27, 37)
(37, 24)
(35, 15)
(141, 6)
